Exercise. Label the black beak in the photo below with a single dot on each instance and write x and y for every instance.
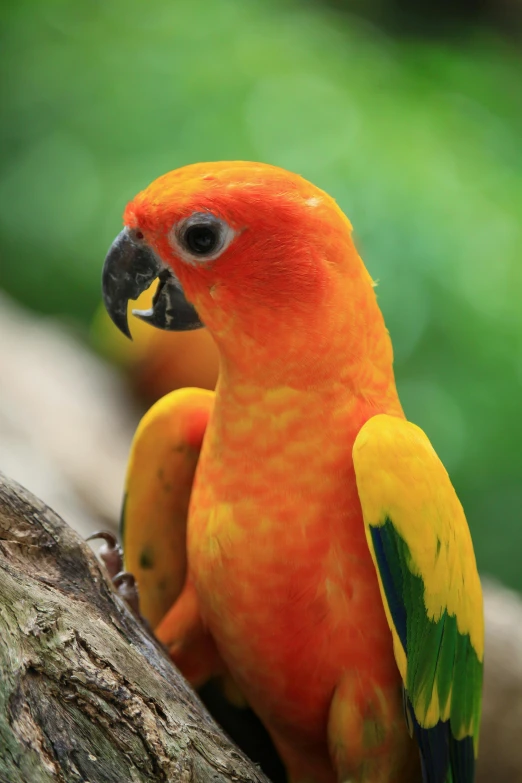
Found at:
(129, 269)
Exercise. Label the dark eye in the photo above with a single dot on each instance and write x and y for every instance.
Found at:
(203, 235)
(201, 240)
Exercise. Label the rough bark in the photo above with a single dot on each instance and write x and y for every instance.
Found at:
(85, 694)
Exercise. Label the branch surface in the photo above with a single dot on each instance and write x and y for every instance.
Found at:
(85, 694)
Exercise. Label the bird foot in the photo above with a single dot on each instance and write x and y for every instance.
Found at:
(110, 552)
(111, 555)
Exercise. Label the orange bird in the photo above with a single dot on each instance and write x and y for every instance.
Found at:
(326, 570)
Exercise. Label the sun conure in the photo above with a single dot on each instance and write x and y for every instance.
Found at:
(292, 530)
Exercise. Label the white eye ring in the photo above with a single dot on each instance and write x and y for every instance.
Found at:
(201, 237)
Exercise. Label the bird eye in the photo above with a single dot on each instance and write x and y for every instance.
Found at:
(201, 240)
(203, 235)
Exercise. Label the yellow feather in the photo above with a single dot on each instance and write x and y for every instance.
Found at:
(400, 476)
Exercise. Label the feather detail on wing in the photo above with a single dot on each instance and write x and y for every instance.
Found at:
(423, 554)
(160, 473)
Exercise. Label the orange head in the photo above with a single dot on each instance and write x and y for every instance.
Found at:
(267, 262)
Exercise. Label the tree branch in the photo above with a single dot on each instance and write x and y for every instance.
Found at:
(85, 694)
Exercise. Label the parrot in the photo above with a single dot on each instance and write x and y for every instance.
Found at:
(292, 532)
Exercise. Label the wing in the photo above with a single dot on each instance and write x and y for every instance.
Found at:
(422, 550)
(161, 469)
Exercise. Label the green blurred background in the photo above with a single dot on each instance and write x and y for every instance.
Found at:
(418, 136)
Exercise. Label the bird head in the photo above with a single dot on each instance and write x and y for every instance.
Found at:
(261, 257)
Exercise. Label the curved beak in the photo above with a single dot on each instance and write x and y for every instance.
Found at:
(129, 269)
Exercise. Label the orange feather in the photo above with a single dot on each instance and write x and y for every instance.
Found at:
(277, 552)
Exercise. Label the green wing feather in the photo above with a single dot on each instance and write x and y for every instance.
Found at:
(421, 547)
